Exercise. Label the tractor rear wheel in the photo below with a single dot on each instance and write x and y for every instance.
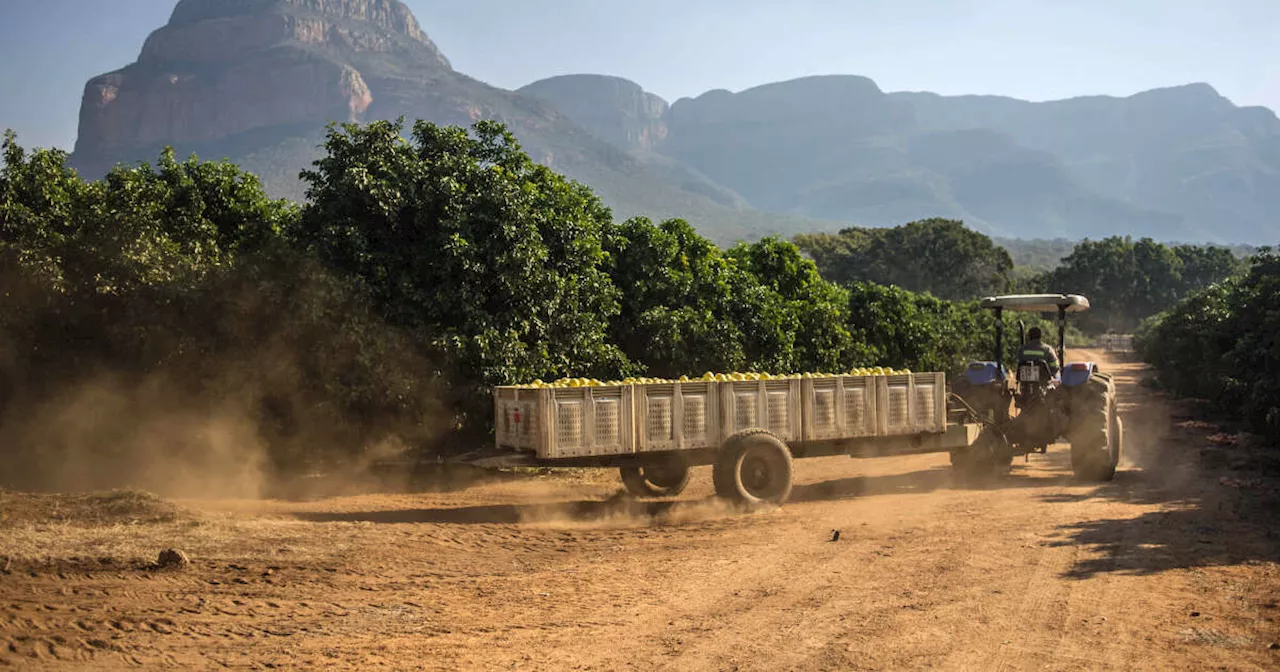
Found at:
(754, 467)
(662, 479)
(1096, 432)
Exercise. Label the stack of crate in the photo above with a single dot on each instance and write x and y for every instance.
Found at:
(625, 419)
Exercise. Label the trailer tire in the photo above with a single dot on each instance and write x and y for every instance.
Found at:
(987, 459)
(664, 479)
(753, 467)
(1096, 430)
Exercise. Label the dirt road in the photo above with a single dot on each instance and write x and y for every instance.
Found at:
(1165, 568)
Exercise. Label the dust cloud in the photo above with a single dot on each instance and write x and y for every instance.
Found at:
(110, 433)
(1148, 431)
(623, 511)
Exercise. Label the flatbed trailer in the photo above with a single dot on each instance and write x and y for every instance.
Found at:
(750, 431)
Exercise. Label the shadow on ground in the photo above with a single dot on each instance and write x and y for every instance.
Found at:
(406, 478)
(616, 508)
(621, 506)
(1207, 518)
(930, 480)
(1159, 541)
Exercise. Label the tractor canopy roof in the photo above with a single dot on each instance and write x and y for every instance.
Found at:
(1038, 303)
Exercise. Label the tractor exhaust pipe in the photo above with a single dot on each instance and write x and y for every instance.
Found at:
(1062, 336)
(1000, 339)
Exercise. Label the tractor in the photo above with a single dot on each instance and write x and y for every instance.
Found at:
(1030, 408)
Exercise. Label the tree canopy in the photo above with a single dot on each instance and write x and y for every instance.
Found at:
(496, 262)
(940, 256)
(1223, 344)
(1128, 280)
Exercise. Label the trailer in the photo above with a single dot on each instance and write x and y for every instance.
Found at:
(749, 431)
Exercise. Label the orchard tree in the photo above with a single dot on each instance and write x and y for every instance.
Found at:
(939, 256)
(115, 259)
(1204, 265)
(678, 299)
(495, 261)
(798, 323)
(904, 329)
(1128, 280)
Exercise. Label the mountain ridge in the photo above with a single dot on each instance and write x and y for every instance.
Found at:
(1085, 166)
(256, 81)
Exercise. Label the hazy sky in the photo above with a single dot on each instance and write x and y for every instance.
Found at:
(1035, 49)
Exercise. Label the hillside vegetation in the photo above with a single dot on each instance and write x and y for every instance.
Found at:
(1222, 344)
(172, 305)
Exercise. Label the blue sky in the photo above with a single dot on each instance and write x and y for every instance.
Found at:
(1034, 49)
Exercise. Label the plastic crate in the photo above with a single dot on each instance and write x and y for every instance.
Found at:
(677, 416)
(774, 405)
(566, 422)
(839, 407)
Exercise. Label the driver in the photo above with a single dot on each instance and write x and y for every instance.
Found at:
(1034, 349)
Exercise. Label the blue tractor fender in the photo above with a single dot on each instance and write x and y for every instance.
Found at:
(983, 373)
(1076, 374)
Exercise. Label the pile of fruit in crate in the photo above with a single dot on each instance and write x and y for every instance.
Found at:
(710, 377)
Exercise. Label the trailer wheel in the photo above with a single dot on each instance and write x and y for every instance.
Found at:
(661, 479)
(988, 458)
(1097, 431)
(754, 467)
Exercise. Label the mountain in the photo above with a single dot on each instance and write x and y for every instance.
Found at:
(255, 81)
(617, 110)
(1184, 150)
(1174, 164)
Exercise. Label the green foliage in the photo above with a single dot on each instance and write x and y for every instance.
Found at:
(796, 321)
(494, 261)
(679, 299)
(939, 256)
(903, 329)
(177, 280)
(1221, 344)
(1128, 280)
(102, 255)
(688, 308)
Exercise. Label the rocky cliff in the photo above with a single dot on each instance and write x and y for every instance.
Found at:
(256, 81)
(221, 68)
(615, 109)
